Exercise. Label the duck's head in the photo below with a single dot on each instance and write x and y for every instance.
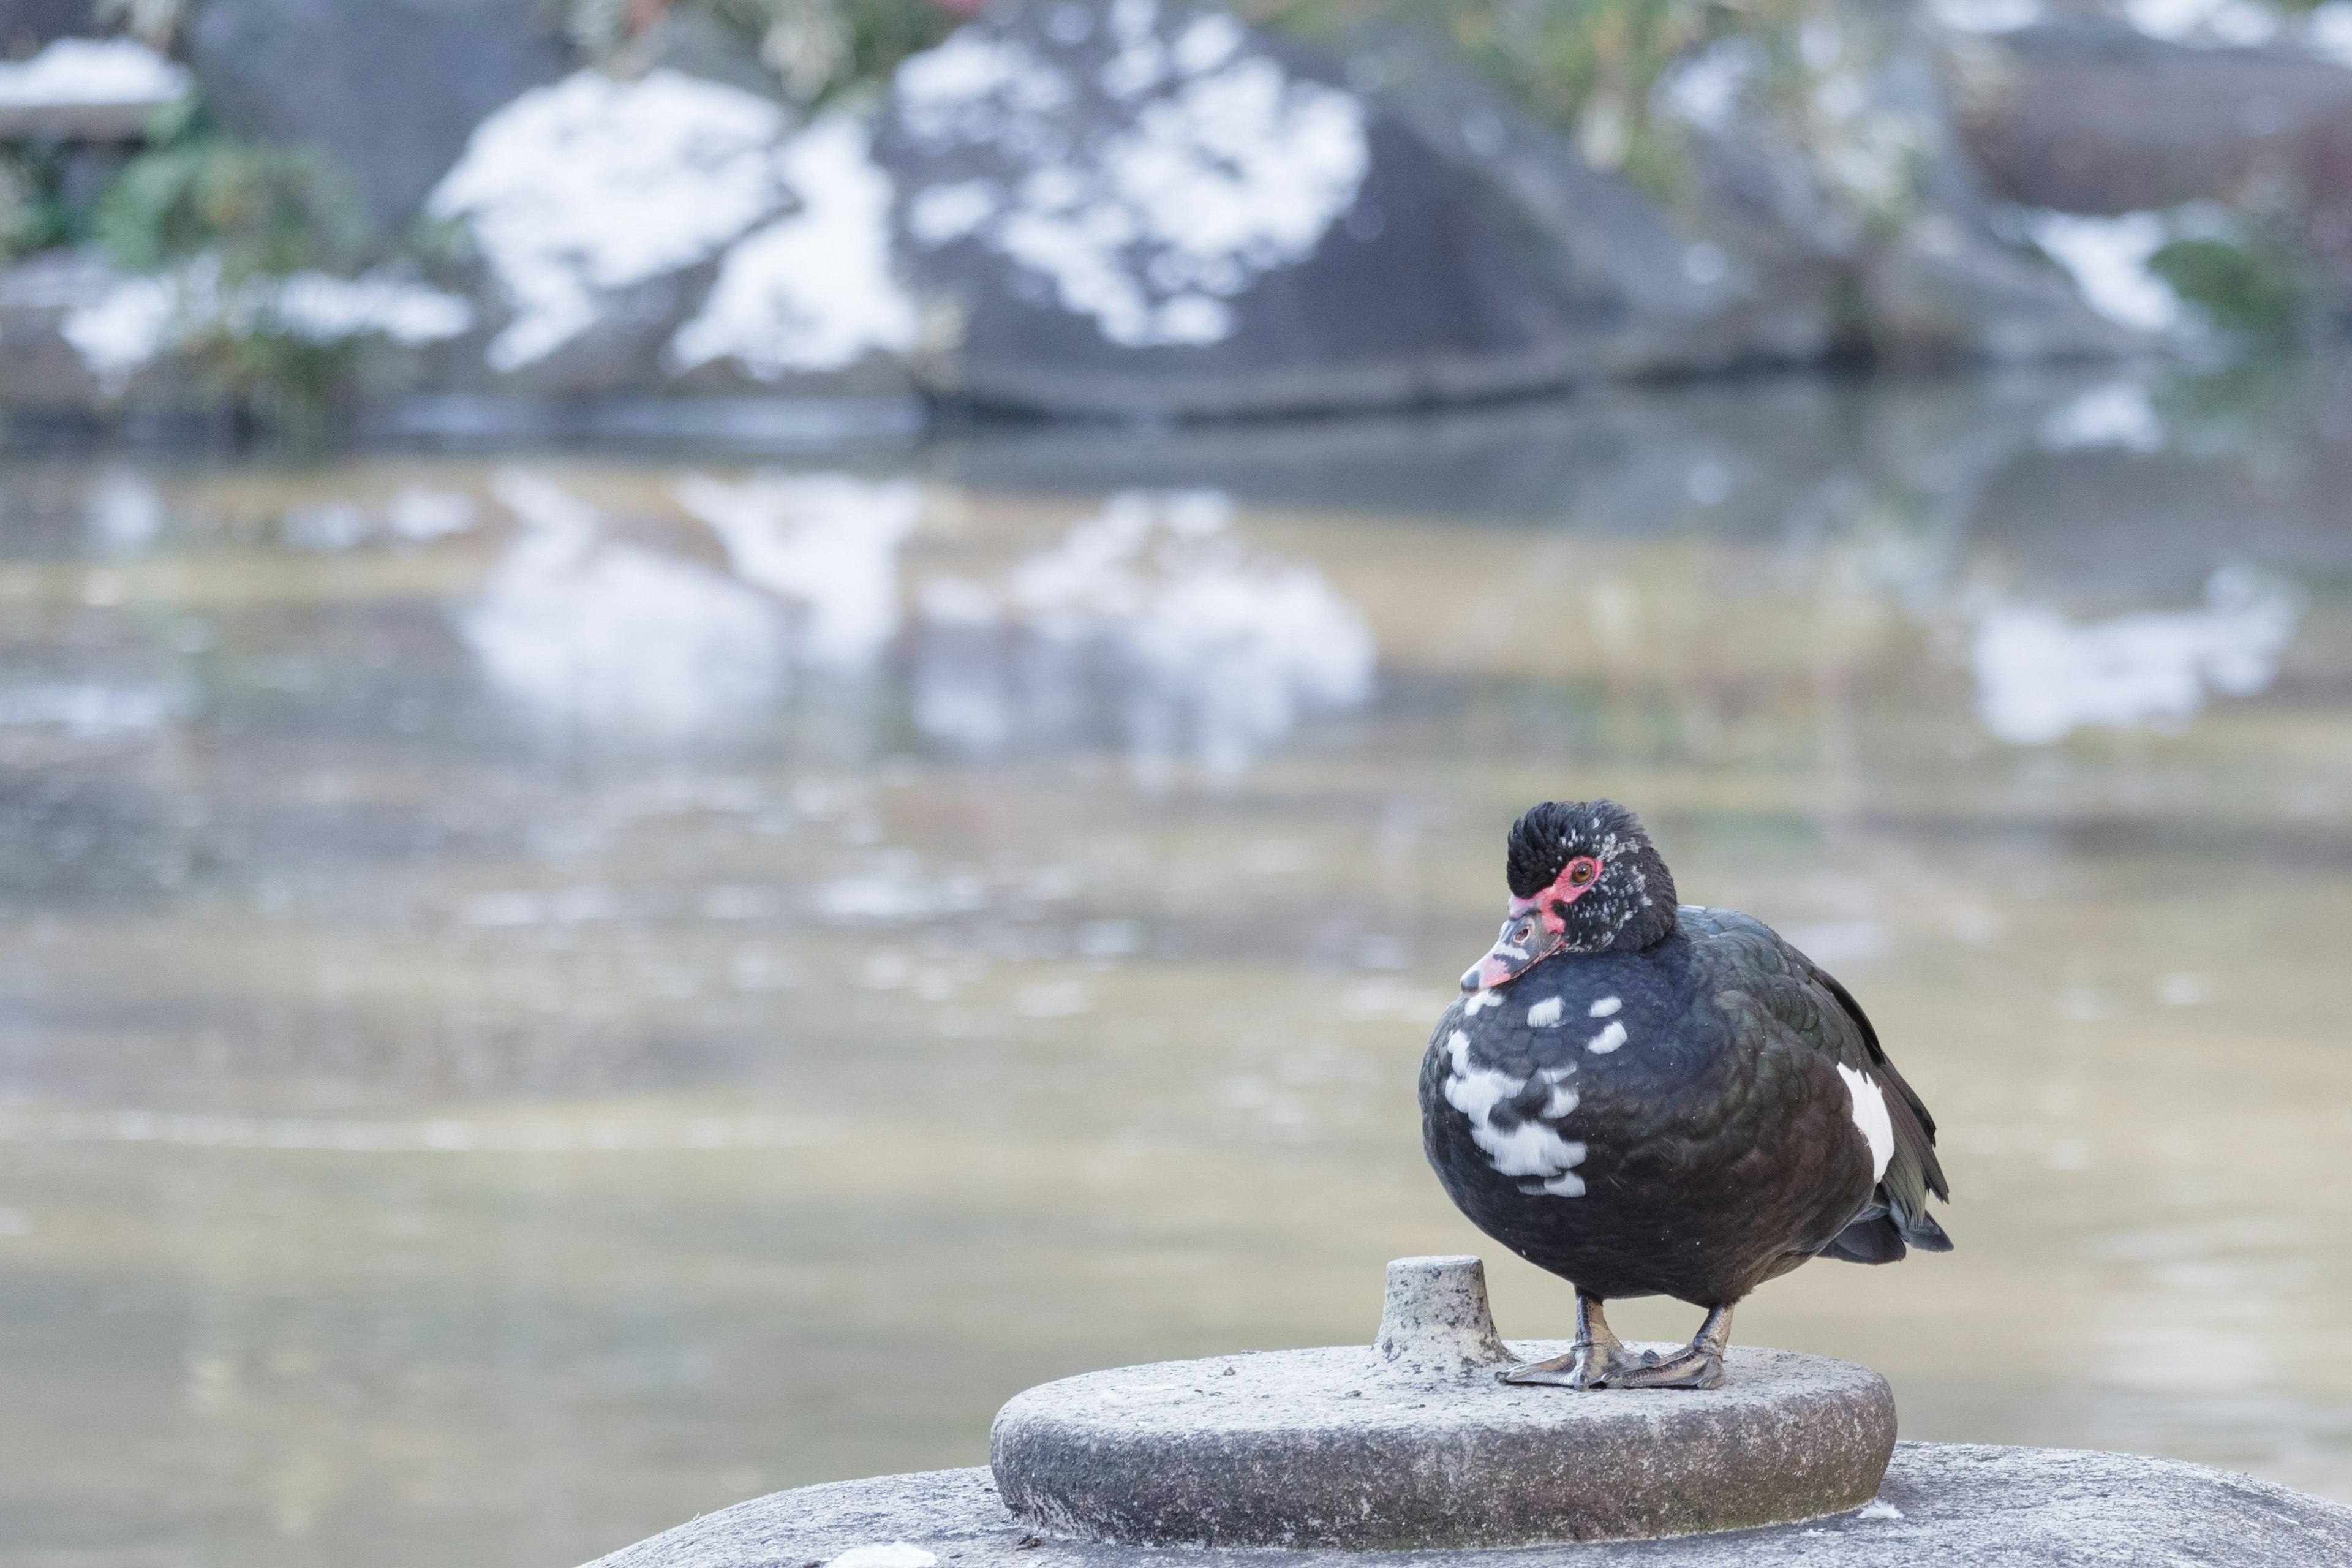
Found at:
(1584, 879)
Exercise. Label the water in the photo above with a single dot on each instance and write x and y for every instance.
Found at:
(541, 995)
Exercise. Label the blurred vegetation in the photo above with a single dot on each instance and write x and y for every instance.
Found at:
(258, 208)
(2253, 287)
(1591, 69)
(34, 212)
(230, 219)
(818, 49)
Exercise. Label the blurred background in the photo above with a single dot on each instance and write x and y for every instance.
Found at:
(726, 725)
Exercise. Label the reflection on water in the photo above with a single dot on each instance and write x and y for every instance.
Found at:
(539, 997)
(2040, 677)
(1211, 650)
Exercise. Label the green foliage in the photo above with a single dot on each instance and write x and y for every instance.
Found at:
(260, 209)
(229, 218)
(2252, 288)
(34, 212)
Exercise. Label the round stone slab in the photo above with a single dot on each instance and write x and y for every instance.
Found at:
(1341, 1447)
(1942, 1506)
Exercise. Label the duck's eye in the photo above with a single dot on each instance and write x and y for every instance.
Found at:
(1581, 872)
(1526, 928)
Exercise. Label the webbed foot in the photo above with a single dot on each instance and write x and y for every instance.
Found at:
(1600, 1359)
(1586, 1366)
(1698, 1364)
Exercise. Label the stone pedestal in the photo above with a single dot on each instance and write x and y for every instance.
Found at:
(1413, 1443)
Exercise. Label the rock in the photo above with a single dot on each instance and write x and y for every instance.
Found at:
(26, 24)
(1134, 209)
(1652, 298)
(1862, 210)
(1435, 1318)
(1416, 1443)
(1955, 1505)
(2089, 116)
(671, 233)
(391, 87)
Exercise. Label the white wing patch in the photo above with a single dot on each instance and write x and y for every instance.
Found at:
(1607, 1040)
(1480, 1001)
(1870, 1116)
(1605, 1007)
(1545, 1014)
(1529, 1149)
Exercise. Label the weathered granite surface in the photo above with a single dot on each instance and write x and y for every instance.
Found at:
(1951, 1505)
(391, 87)
(1412, 1442)
(1332, 1447)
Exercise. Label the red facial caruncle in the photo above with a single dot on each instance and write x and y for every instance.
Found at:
(1575, 880)
(1526, 942)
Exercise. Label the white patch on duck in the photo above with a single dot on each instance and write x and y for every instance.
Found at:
(1529, 1149)
(1604, 1008)
(1869, 1111)
(1480, 1001)
(1607, 1040)
(1545, 1014)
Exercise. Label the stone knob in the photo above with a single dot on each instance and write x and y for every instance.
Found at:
(1435, 1319)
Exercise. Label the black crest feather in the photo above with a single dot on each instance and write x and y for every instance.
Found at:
(1635, 898)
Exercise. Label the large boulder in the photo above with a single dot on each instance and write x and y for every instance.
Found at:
(2089, 116)
(1139, 210)
(1136, 209)
(392, 88)
(1857, 194)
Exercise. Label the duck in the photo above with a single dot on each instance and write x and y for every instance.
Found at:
(1646, 1097)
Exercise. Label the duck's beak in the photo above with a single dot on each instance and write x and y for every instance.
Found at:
(1526, 940)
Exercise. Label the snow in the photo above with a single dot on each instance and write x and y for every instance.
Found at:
(124, 329)
(322, 308)
(2327, 31)
(2040, 677)
(139, 318)
(813, 290)
(1213, 166)
(2231, 23)
(2108, 259)
(2117, 414)
(591, 185)
(91, 72)
(1985, 16)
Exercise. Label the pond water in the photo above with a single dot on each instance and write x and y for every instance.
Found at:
(543, 994)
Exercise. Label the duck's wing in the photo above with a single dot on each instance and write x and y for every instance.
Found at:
(1811, 1003)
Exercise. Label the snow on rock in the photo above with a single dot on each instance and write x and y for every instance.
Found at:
(826, 544)
(1215, 650)
(2108, 258)
(91, 70)
(593, 185)
(813, 290)
(2040, 677)
(1152, 167)
(124, 329)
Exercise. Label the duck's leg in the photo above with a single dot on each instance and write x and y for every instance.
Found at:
(1698, 1364)
(1597, 1361)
